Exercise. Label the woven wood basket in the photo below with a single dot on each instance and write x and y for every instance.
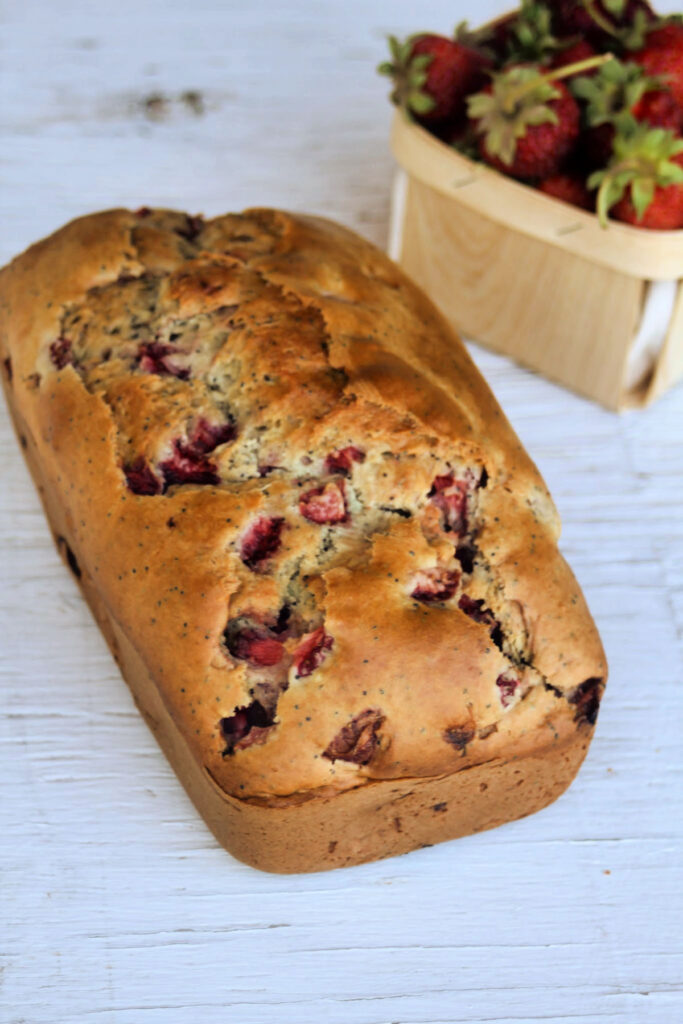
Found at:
(599, 310)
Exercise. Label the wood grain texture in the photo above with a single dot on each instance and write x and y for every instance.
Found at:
(116, 904)
(549, 309)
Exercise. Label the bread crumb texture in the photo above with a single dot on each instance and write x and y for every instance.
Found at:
(298, 498)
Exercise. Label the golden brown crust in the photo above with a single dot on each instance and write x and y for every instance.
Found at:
(223, 364)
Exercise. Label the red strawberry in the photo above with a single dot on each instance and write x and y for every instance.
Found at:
(311, 652)
(253, 644)
(476, 610)
(450, 495)
(528, 36)
(664, 212)
(507, 683)
(570, 188)
(432, 75)
(573, 54)
(342, 460)
(643, 184)
(207, 436)
(246, 726)
(497, 38)
(61, 353)
(660, 110)
(614, 96)
(598, 20)
(261, 541)
(527, 122)
(141, 478)
(324, 504)
(663, 55)
(155, 357)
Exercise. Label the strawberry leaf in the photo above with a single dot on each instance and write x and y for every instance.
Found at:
(614, 89)
(642, 194)
(409, 75)
(634, 36)
(517, 99)
(530, 35)
(420, 102)
(643, 161)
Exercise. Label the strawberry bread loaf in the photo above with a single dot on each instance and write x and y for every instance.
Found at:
(324, 562)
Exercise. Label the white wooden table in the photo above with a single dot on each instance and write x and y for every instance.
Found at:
(116, 904)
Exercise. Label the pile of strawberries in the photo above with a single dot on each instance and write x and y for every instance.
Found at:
(582, 99)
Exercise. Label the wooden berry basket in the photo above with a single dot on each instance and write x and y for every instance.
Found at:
(537, 279)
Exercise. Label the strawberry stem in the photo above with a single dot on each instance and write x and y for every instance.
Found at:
(587, 64)
(579, 67)
(602, 22)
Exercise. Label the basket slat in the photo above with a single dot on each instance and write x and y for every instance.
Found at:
(548, 309)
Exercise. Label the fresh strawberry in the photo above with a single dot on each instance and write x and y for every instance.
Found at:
(613, 97)
(527, 122)
(660, 110)
(662, 55)
(664, 212)
(432, 75)
(601, 21)
(570, 188)
(643, 185)
(525, 35)
(495, 38)
(529, 36)
(580, 51)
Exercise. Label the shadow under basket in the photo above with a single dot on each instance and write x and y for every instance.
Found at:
(599, 310)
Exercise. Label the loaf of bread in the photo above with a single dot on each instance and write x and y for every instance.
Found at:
(320, 555)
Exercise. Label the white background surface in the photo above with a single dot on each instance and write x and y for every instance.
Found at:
(117, 906)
